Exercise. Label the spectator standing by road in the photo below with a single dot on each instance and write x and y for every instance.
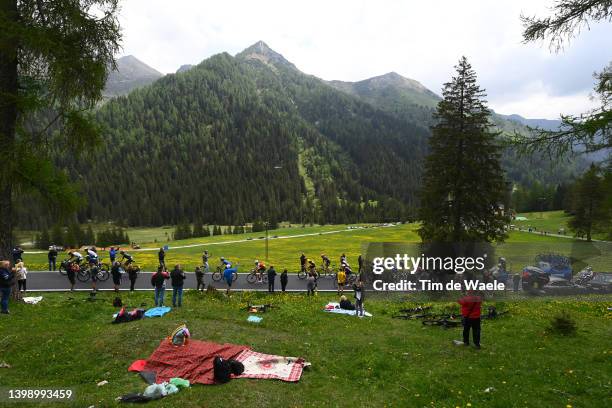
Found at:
(21, 274)
(7, 278)
(52, 257)
(359, 297)
(17, 255)
(284, 278)
(132, 275)
(116, 275)
(271, 278)
(177, 277)
(310, 283)
(161, 255)
(158, 280)
(112, 254)
(341, 280)
(470, 311)
(199, 278)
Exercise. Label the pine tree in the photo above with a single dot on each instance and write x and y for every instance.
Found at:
(463, 183)
(44, 240)
(55, 56)
(57, 235)
(90, 236)
(589, 204)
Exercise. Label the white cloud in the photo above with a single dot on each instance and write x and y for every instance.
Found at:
(353, 40)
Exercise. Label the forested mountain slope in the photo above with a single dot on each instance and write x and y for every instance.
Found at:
(235, 139)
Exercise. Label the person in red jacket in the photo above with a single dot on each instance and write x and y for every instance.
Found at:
(470, 311)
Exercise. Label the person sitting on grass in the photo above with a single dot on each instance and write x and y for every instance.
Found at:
(178, 278)
(158, 280)
(199, 279)
(346, 304)
(341, 280)
(116, 275)
(470, 311)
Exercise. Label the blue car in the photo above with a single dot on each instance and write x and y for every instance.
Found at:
(555, 265)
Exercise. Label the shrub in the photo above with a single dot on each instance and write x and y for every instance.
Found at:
(563, 324)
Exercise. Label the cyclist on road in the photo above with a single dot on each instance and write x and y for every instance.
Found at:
(92, 256)
(260, 268)
(326, 261)
(226, 263)
(75, 257)
(303, 262)
(126, 258)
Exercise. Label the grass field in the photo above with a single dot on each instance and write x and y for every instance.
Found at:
(284, 253)
(550, 221)
(65, 341)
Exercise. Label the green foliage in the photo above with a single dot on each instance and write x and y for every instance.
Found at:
(183, 231)
(112, 236)
(464, 184)
(258, 226)
(591, 210)
(563, 324)
(54, 56)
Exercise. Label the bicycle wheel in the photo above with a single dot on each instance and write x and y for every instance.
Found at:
(235, 276)
(83, 275)
(251, 278)
(62, 270)
(103, 275)
(264, 278)
(301, 274)
(447, 324)
(217, 275)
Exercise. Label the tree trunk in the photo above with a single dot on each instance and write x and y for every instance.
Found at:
(8, 119)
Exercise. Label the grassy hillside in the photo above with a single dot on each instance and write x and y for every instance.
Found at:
(67, 342)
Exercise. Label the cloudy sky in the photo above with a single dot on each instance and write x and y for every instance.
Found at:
(358, 39)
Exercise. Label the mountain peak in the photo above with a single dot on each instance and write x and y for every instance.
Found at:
(262, 52)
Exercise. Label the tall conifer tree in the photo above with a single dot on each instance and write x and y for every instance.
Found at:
(463, 184)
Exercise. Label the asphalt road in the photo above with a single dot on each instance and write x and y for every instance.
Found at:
(53, 281)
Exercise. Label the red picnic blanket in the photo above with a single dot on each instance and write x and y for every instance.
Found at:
(193, 361)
